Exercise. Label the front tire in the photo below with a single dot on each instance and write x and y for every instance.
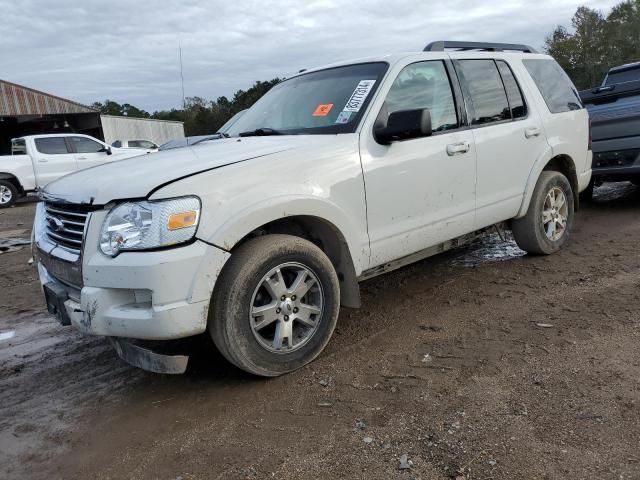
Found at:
(546, 226)
(275, 305)
(8, 194)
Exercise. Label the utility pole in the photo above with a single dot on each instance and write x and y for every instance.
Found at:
(184, 102)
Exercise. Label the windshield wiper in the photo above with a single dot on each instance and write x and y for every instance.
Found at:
(260, 132)
(225, 135)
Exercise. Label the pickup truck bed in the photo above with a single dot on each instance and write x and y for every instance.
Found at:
(614, 111)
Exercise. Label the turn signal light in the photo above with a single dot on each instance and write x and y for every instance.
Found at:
(182, 220)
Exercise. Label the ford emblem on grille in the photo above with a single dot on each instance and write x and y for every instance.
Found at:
(55, 224)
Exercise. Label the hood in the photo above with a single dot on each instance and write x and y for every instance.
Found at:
(137, 177)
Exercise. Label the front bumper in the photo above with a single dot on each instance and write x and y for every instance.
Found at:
(161, 295)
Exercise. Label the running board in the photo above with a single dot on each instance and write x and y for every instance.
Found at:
(147, 359)
(427, 252)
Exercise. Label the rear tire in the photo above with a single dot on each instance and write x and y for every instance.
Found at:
(546, 226)
(257, 320)
(8, 194)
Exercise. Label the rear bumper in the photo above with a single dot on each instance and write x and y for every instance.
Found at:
(616, 159)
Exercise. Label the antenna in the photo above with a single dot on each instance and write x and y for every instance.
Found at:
(184, 102)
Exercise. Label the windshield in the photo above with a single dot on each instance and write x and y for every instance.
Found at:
(324, 102)
(229, 123)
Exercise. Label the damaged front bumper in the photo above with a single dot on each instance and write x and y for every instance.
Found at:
(161, 295)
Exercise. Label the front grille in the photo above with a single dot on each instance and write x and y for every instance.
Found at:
(64, 224)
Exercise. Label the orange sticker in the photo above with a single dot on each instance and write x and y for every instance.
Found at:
(323, 110)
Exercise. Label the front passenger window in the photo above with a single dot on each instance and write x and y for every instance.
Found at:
(424, 85)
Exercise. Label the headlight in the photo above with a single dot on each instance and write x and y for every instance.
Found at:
(147, 225)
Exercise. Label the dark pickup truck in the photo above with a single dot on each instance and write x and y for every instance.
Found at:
(614, 111)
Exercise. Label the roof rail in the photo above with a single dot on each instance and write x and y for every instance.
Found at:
(441, 46)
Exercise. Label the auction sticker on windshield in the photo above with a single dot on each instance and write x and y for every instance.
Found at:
(323, 110)
(359, 95)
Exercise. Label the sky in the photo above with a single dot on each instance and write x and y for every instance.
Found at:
(127, 50)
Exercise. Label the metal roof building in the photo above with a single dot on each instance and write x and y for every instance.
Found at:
(25, 111)
(16, 100)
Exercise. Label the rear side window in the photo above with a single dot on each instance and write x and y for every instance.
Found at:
(86, 145)
(117, 144)
(484, 91)
(52, 145)
(557, 90)
(514, 94)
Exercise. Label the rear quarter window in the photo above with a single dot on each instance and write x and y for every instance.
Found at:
(554, 85)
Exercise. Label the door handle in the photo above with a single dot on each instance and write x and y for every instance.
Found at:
(82, 158)
(43, 160)
(532, 132)
(458, 148)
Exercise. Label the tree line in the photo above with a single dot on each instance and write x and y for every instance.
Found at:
(596, 42)
(592, 44)
(200, 116)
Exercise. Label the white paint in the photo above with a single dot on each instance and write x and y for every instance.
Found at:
(7, 335)
(37, 169)
(420, 193)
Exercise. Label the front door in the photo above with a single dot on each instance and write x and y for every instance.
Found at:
(52, 159)
(420, 192)
(89, 153)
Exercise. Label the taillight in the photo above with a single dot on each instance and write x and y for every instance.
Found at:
(590, 136)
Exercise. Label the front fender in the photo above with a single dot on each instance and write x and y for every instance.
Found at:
(245, 220)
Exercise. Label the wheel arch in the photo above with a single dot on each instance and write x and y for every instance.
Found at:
(320, 222)
(326, 236)
(14, 180)
(562, 163)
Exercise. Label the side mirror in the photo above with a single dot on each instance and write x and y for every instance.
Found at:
(404, 125)
(108, 150)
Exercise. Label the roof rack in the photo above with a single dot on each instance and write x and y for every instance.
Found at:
(441, 46)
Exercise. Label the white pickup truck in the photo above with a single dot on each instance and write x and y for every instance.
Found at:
(334, 176)
(37, 160)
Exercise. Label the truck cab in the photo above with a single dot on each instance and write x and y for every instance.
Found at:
(614, 111)
(37, 160)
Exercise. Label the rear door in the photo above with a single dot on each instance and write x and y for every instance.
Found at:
(89, 153)
(507, 133)
(52, 159)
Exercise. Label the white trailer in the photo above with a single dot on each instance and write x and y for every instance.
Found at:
(127, 128)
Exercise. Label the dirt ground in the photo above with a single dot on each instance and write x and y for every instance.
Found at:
(482, 363)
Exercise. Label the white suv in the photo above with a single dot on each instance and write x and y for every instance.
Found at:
(334, 176)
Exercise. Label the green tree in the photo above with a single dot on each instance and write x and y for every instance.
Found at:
(200, 116)
(596, 43)
(109, 107)
(203, 117)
